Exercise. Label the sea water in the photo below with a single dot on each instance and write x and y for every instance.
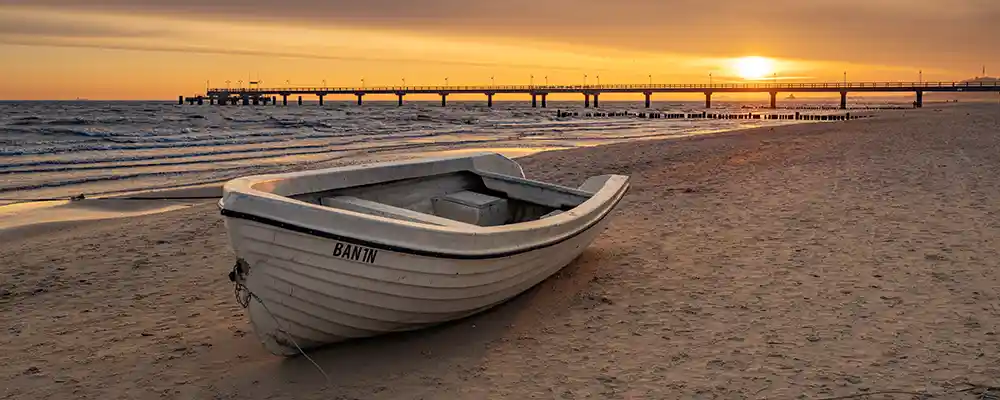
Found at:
(61, 149)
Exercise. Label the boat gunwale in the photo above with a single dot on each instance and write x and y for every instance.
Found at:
(242, 200)
(419, 252)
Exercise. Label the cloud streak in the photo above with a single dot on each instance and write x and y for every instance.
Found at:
(247, 52)
(20, 24)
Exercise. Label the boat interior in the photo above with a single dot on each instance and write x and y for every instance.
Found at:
(459, 199)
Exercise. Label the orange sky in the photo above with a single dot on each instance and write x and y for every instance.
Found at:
(158, 49)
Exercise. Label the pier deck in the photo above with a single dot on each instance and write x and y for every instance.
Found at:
(249, 96)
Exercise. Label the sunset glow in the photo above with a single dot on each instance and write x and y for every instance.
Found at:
(753, 67)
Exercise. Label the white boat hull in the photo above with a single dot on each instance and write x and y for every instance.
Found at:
(315, 282)
(314, 298)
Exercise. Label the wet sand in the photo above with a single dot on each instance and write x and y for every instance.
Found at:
(27, 219)
(803, 261)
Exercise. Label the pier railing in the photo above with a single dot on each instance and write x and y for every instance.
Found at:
(630, 87)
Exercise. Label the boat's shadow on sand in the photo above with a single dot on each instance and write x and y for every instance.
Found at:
(463, 344)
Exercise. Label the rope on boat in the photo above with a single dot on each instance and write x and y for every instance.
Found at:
(243, 296)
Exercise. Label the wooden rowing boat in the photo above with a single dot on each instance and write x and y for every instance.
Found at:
(334, 254)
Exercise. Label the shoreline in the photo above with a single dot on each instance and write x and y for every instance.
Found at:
(20, 217)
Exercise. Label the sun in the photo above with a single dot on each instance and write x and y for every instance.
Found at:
(753, 67)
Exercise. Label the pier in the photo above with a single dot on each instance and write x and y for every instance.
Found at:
(265, 96)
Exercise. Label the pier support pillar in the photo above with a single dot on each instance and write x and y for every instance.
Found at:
(774, 100)
(586, 100)
(843, 100)
(300, 100)
(360, 97)
(321, 96)
(708, 99)
(180, 100)
(246, 100)
(274, 100)
(201, 101)
(284, 99)
(211, 101)
(597, 100)
(920, 99)
(649, 96)
(400, 96)
(444, 99)
(489, 100)
(534, 100)
(544, 97)
(256, 101)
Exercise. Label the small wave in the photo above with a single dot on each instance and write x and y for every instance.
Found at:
(244, 120)
(28, 120)
(58, 131)
(326, 146)
(89, 121)
(71, 121)
(91, 179)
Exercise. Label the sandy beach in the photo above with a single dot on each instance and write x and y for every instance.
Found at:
(804, 261)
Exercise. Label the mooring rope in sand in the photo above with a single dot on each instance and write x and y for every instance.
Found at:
(289, 336)
(243, 296)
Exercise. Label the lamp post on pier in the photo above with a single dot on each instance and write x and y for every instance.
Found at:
(446, 81)
(493, 80)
